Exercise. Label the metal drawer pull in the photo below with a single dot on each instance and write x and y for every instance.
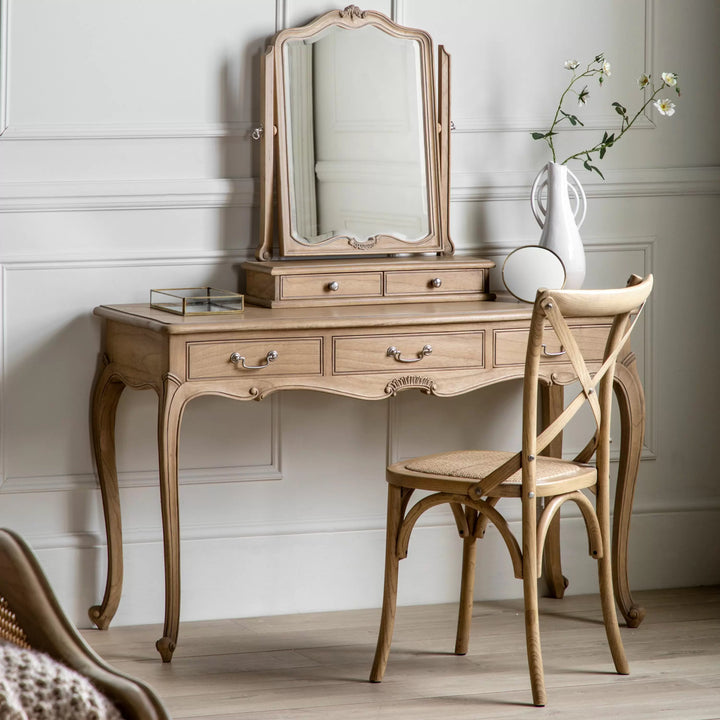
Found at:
(436, 282)
(393, 352)
(238, 358)
(551, 354)
(333, 286)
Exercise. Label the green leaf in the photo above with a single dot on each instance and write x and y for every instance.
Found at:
(538, 136)
(603, 150)
(592, 168)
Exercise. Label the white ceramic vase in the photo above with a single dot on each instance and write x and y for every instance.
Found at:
(560, 220)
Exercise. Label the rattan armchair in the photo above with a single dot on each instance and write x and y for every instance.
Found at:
(31, 617)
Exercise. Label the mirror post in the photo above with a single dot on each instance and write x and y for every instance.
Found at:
(444, 148)
(267, 156)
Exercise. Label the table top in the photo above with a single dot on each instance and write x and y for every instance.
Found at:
(259, 318)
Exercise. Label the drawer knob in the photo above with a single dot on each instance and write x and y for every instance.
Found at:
(393, 352)
(436, 282)
(333, 286)
(236, 358)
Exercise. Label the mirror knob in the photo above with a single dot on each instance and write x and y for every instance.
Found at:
(436, 282)
(333, 286)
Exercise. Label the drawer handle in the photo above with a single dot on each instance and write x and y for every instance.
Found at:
(333, 286)
(393, 352)
(551, 354)
(236, 358)
(436, 282)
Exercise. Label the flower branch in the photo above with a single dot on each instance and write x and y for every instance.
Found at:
(600, 68)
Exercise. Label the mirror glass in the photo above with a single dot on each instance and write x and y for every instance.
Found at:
(531, 267)
(355, 120)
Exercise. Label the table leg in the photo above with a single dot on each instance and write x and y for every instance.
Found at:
(170, 411)
(552, 403)
(631, 401)
(106, 395)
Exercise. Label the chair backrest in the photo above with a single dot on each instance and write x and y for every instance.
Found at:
(551, 310)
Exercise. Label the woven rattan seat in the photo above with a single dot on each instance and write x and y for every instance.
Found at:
(468, 467)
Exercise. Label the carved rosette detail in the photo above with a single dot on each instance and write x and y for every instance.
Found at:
(352, 12)
(363, 245)
(420, 382)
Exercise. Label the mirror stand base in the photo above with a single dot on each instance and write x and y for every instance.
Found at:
(366, 281)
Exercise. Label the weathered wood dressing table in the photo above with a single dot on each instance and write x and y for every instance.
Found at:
(365, 298)
(367, 352)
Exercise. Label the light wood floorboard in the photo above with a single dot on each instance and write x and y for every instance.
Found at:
(315, 666)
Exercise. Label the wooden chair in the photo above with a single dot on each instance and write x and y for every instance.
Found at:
(31, 617)
(473, 481)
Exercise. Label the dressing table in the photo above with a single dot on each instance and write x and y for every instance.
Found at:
(406, 315)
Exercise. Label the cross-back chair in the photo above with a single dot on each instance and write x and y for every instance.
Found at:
(473, 481)
(31, 618)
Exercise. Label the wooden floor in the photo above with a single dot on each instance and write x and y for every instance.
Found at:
(315, 667)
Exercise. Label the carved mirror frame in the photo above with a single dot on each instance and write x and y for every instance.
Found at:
(275, 170)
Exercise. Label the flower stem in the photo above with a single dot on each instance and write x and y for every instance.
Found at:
(588, 72)
(624, 127)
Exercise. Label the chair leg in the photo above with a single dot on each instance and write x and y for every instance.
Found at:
(467, 586)
(607, 595)
(392, 562)
(530, 595)
(607, 599)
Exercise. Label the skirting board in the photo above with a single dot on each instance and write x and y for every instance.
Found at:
(329, 571)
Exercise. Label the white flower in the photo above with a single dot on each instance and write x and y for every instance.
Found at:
(605, 70)
(669, 79)
(665, 107)
(571, 64)
(644, 80)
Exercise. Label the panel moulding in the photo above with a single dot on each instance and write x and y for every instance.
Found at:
(598, 122)
(371, 525)
(646, 245)
(149, 478)
(101, 131)
(196, 476)
(61, 196)
(4, 55)
(636, 182)
(68, 195)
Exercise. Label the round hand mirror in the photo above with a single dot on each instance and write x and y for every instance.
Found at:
(531, 267)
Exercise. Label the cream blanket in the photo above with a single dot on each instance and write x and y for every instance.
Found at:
(33, 686)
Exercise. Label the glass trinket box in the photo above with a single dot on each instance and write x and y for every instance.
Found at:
(197, 301)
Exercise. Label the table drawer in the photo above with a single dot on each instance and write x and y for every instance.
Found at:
(330, 285)
(511, 345)
(371, 353)
(289, 356)
(434, 282)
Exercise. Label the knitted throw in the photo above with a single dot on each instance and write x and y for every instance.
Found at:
(33, 686)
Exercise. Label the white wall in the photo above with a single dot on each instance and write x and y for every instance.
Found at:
(125, 164)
